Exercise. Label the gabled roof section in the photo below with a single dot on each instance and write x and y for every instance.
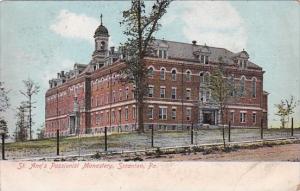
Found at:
(186, 51)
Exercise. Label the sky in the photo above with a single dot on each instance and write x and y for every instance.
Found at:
(39, 39)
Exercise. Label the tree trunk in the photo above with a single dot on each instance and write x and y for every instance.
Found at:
(223, 127)
(30, 119)
(141, 117)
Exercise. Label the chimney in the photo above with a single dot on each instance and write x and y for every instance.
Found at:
(194, 42)
(62, 73)
(112, 49)
(58, 75)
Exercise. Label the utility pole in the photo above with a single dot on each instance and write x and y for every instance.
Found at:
(261, 129)
(105, 139)
(292, 127)
(229, 131)
(3, 145)
(192, 134)
(152, 132)
(57, 142)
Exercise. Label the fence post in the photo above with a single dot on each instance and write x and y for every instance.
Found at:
(57, 142)
(261, 129)
(3, 146)
(292, 128)
(229, 131)
(105, 139)
(152, 132)
(192, 134)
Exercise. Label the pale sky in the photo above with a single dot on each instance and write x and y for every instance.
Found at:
(39, 39)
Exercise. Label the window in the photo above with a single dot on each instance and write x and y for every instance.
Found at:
(254, 87)
(113, 115)
(120, 95)
(114, 96)
(150, 72)
(162, 74)
(206, 78)
(102, 45)
(163, 113)
(232, 86)
(243, 117)
(120, 115)
(126, 114)
(173, 113)
(173, 93)
(174, 75)
(107, 115)
(150, 112)
(188, 114)
(242, 64)
(133, 113)
(201, 77)
(203, 59)
(188, 93)
(232, 116)
(126, 93)
(162, 54)
(162, 92)
(188, 76)
(150, 91)
(254, 118)
(242, 86)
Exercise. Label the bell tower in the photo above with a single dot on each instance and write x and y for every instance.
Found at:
(101, 51)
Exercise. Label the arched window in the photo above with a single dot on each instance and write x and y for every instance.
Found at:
(102, 45)
(188, 76)
(206, 78)
(174, 74)
(254, 87)
(162, 73)
(242, 86)
(201, 77)
(150, 72)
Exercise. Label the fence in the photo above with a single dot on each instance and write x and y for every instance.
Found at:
(79, 145)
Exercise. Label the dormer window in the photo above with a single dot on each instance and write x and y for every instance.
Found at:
(162, 53)
(203, 59)
(242, 64)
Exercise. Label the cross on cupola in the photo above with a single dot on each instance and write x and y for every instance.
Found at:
(101, 18)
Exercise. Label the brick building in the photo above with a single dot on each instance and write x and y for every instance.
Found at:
(91, 96)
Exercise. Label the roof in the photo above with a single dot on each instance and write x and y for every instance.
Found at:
(186, 51)
(101, 31)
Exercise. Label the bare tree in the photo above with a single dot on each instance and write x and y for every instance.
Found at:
(221, 88)
(139, 30)
(285, 108)
(21, 133)
(31, 88)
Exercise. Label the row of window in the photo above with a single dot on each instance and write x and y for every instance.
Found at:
(243, 117)
(163, 113)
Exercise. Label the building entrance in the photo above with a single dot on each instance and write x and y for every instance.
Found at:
(209, 117)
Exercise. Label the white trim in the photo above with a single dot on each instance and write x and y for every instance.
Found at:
(160, 106)
(244, 107)
(169, 103)
(58, 117)
(113, 105)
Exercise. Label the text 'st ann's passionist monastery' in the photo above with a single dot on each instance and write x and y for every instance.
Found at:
(90, 96)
